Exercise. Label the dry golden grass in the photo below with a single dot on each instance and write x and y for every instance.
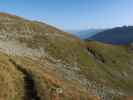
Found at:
(11, 80)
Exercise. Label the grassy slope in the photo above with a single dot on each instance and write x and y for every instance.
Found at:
(116, 70)
(48, 82)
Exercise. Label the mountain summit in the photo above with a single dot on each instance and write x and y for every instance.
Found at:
(41, 62)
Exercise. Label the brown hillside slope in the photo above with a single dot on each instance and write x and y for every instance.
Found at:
(22, 78)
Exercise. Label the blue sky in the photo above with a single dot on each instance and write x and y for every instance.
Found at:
(73, 14)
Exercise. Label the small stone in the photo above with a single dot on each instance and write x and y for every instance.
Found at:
(59, 90)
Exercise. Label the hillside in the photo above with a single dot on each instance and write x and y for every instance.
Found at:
(41, 62)
(118, 35)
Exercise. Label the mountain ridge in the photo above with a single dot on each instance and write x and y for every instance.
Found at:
(117, 35)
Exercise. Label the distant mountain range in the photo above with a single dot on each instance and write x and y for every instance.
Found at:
(85, 34)
(118, 35)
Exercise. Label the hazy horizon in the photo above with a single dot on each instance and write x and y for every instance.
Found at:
(73, 14)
